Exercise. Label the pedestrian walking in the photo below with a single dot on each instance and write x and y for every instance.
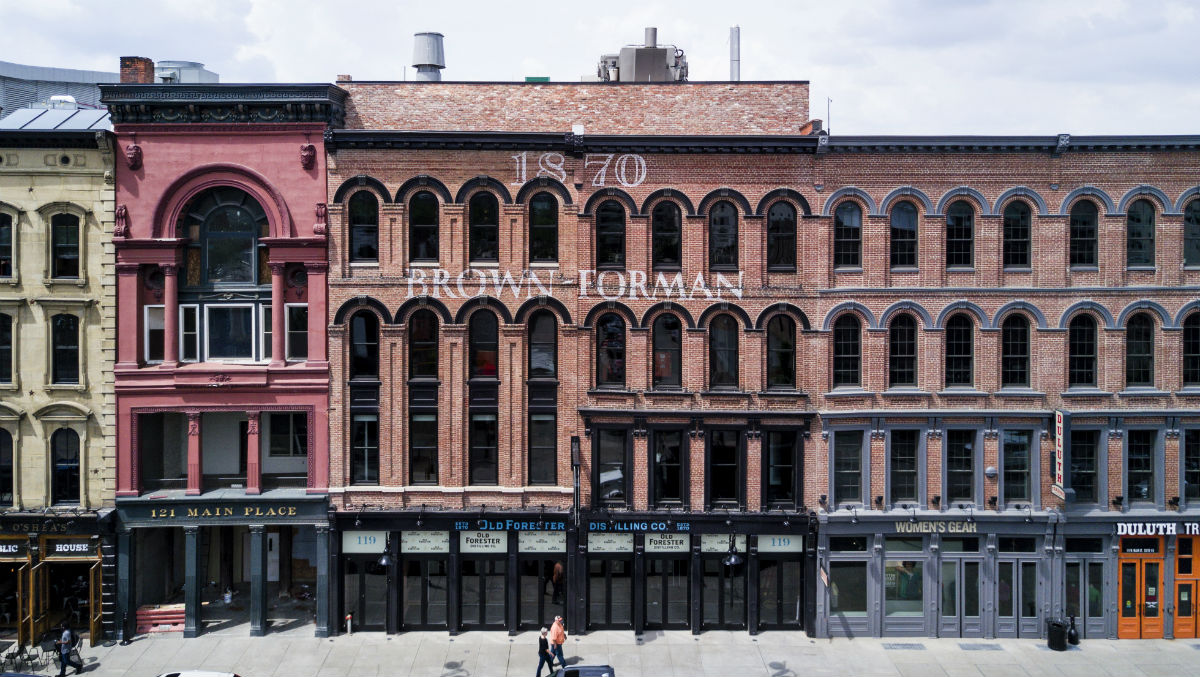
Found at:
(558, 637)
(556, 578)
(66, 644)
(544, 655)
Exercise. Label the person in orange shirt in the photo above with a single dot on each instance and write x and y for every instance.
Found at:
(558, 637)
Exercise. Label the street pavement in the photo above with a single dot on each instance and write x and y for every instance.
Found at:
(678, 654)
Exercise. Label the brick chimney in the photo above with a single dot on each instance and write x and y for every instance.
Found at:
(137, 70)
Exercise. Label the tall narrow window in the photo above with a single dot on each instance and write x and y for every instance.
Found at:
(1016, 450)
(847, 467)
(960, 235)
(960, 351)
(668, 344)
(847, 236)
(543, 345)
(364, 227)
(723, 352)
(1084, 218)
(543, 228)
(1191, 235)
(6, 348)
(422, 345)
(781, 352)
(543, 448)
(904, 235)
(902, 352)
(666, 236)
(423, 447)
(483, 440)
(423, 227)
(1139, 351)
(847, 351)
(297, 332)
(612, 466)
(610, 351)
(610, 235)
(1016, 235)
(724, 474)
(484, 217)
(6, 245)
(64, 234)
(64, 479)
(781, 464)
(364, 346)
(1191, 464)
(1014, 352)
(960, 466)
(1191, 349)
(667, 455)
(722, 237)
(1140, 473)
(781, 237)
(1140, 235)
(1081, 349)
(1085, 464)
(902, 462)
(6, 468)
(484, 345)
(65, 331)
(364, 449)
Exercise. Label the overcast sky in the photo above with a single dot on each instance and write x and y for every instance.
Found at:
(890, 66)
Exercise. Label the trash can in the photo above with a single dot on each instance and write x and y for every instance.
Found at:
(1056, 635)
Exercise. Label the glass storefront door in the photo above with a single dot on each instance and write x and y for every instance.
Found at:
(1140, 588)
(610, 594)
(484, 601)
(1018, 612)
(1085, 597)
(667, 593)
(723, 595)
(780, 594)
(1186, 585)
(959, 599)
(543, 590)
(364, 591)
(424, 602)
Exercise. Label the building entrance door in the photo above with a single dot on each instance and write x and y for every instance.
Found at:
(667, 591)
(1018, 608)
(364, 586)
(543, 591)
(1140, 588)
(723, 595)
(959, 599)
(484, 602)
(610, 594)
(780, 594)
(1186, 585)
(424, 602)
(1085, 596)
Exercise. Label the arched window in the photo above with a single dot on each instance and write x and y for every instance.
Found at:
(847, 351)
(1081, 352)
(610, 235)
(904, 235)
(64, 234)
(543, 345)
(723, 352)
(960, 235)
(364, 346)
(1017, 219)
(485, 345)
(847, 236)
(610, 351)
(65, 334)
(543, 228)
(485, 227)
(1191, 235)
(1084, 229)
(1014, 352)
(423, 227)
(6, 348)
(364, 226)
(6, 468)
(902, 352)
(64, 480)
(960, 351)
(781, 352)
(723, 237)
(1140, 230)
(422, 345)
(666, 235)
(1191, 350)
(6, 245)
(668, 345)
(224, 226)
(1139, 351)
(781, 237)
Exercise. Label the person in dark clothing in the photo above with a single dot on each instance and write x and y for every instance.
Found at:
(65, 644)
(544, 655)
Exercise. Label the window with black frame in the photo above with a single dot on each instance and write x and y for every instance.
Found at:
(960, 235)
(781, 237)
(483, 431)
(668, 343)
(1017, 219)
(297, 332)
(422, 401)
(723, 237)
(64, 330)
(960, 351)
(64, 479)
(6, 245)
(484, 345)
(542, 400)
(610, 235)
(287, 434)
(543, 228)
(1139, 223)
(847, 236)
(781, 352)
(902, 466)
(1014, 352)
(6, 348)
(1081, 352)
(364, 346)
(782, 464)
(1084, 229)
(960, 466)
(1191, 464)
(610, 351)
(484, 218)
(543, 345)
(64, 246)
(1085, 464)
(423, 227)
(668, 451)
(847, 352)
(666, 236)
(1191, 234)
(1140, 477)
(363, 211)
(904, 235)
(7, 488)
(1191, 350)
(422, 345)
(1139, 351)
(364, 448)
(1016, 448)
(902, 352)
(611, 487)
(847, 467)
(723, 352)
(724, 472)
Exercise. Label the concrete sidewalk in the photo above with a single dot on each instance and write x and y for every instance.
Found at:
(678, 654)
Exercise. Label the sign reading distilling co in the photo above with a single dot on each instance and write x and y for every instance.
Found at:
(483, 541)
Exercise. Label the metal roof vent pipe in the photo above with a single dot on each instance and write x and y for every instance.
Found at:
(651, 36)
(428, 57)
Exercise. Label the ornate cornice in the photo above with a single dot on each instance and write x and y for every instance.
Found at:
(568, 143)
(225, 103)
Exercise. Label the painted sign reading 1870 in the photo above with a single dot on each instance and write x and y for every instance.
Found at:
(628, 170)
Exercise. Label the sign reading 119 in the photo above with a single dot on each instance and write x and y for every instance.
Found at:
(366, 540)
(628, 170)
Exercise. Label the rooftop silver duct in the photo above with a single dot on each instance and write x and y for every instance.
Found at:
(428, 57)
(651, 36)
(735, 54)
